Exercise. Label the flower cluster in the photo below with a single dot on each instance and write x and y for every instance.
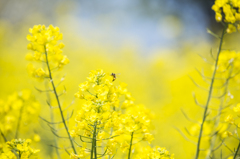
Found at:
(229, 9)
(19, 104)
(104, 91)
(155, 153)
(137, 119)
(101, 109)
(18, 148)
(44, 43)
(100, 97)
(109, 116)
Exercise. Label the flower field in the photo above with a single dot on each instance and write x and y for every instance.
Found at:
(64, 95)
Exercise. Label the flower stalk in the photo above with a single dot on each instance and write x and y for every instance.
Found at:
(58, 101)
(94, 142)
(209, 94)
(130, 146)
(52, 120)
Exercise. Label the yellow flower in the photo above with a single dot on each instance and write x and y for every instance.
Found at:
(230, 119)
(87, 106)
(73, 133)
(101, 135)
(61, 45)
(227, 134)
(79, 95)
(26, 151)
(124, 146)
(101, 111)
(148, 137)
(218, 17)
(40, 72)
(154, 153)
(230, 10)
(237, 108)
(64, 60)
(29, 57)
(231, 28)
(30, 46)
(44, 42)
(84, 86)
(25, 94)
(36, 138)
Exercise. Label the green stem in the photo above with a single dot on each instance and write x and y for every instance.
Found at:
(19, 121)
(59, 105)
(209, 95)
(130, 147)
(94, 142)
(15, 153)
(95, 148)
(52, 120)
(92, 149)
(235, 155)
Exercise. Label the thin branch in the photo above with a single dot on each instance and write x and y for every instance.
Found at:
(205, 77)
(108, 138)
(58, 135)
(211, 53)
(196, 101)
(103, 153)
(58, 147)
(83, 140)
(188, 132)
(49, 121)
(213, 34)
(217, 147)
(183, 135)
(194, 82)
(39, 90)
(189, 119)
(4, 137)
(69, 105)
(218, 97)
(227, 147)
(67, 151)
(204, 59)
(60, 122)
(76, 143)
(62, 79)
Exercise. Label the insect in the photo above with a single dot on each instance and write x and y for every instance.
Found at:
(114, 76)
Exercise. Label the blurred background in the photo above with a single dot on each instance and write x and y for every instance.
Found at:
(153, 44)
(150, 24)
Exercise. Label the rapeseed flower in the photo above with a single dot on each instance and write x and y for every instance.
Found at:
(46, 48)
(229, 9)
